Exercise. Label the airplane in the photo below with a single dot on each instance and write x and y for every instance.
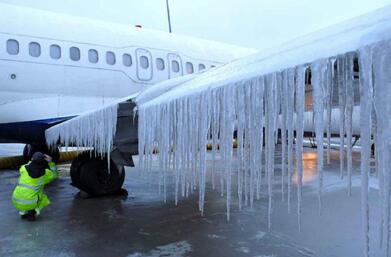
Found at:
(55, 66)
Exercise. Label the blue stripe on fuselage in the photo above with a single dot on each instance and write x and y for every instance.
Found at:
(31, 132)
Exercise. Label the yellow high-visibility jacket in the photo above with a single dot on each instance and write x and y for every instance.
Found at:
(28, 194)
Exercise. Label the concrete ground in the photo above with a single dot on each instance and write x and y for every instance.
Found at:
(142, 225)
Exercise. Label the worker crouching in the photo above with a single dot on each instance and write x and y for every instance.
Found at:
(28, 196)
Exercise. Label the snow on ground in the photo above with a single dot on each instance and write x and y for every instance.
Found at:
(177, 249)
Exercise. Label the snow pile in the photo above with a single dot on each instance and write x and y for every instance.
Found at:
(268, 93)
(94, 129)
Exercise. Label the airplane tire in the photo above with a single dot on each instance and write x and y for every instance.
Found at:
(75, 169)
(29, 150)
(91, 175)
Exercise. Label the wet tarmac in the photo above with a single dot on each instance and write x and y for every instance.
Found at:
(142, 225)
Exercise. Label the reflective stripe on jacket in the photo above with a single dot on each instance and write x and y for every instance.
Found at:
(28, 193)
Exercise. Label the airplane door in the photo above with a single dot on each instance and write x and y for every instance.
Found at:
(144, 64)
(175, 65)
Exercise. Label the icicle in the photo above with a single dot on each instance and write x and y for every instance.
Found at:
(221, 127)
(365, 58)
(382, 96)
(329, 104)
(300, 85)
(270, 88)
(349, 115)
(252, 139)
(176, 146)
(290, 112)
(284, 95)
(247, 143)
(318, 70)
(215, 135)
(259, 93)
(379, 173)
(202, 132)
(240, 141)
(228, 117)
(341, 80)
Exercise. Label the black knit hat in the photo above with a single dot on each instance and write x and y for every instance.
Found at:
(38, 157)
(37, 167)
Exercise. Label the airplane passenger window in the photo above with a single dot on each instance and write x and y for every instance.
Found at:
(127, 60)
(201, 66)
(35, 49)
(93, 56)
(55, 52)
(12, 46)
(175, 66)
(74, 53)
(110, 58)
(189, 67)
(160, 64)
(144, 62)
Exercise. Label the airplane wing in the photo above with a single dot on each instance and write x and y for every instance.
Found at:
(111, 129)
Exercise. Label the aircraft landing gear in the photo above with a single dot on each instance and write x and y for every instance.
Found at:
(90, 174)
(29, 150)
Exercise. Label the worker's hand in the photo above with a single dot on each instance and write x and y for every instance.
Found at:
(48, 158)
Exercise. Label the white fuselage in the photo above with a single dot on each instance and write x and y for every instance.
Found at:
(56, 66)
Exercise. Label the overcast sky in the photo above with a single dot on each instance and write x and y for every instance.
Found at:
(254, 23)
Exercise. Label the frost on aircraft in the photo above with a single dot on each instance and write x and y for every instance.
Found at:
(258, 96)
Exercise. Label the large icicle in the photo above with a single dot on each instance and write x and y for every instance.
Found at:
(284, 96)
(382, 96)
(341, 80)
(240, 142)
(259, 93)
(290, 113)
(329, 105)
(300, 93)
(349, 115)
(365, 58)
(227, 131)
(318, 70)
(270, 114)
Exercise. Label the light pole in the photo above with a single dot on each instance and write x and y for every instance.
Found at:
(168, 17)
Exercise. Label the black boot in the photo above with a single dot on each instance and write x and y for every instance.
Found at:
(30, 215)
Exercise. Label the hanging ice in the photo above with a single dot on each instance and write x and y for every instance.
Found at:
(94, 129)
(382, 94)
(300, 85)
(365, 134)
(341, 81)
(319, 76)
